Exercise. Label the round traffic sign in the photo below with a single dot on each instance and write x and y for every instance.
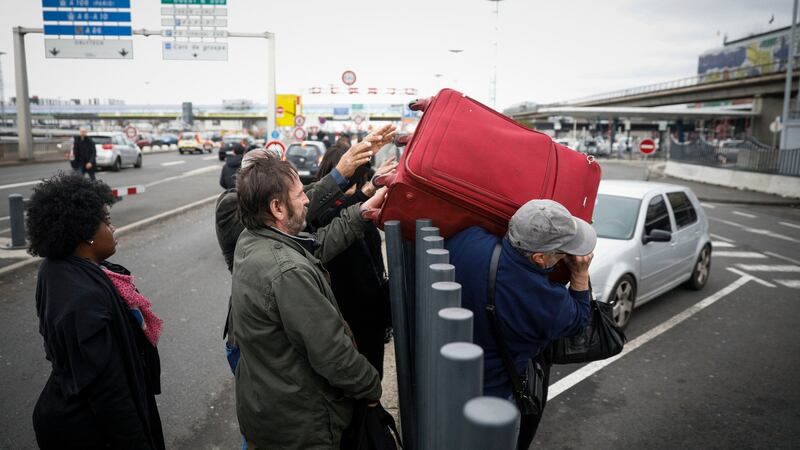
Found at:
(647, 146)
(299, 134)
(349, 77)
(358, 120)
(275, 134)
(299, 120)
(278, 144)
(131, 132)
(279, 111)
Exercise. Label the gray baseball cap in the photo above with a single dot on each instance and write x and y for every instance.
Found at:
(547, 226)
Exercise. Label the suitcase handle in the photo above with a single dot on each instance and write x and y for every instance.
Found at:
(420, 104)
(386, 179)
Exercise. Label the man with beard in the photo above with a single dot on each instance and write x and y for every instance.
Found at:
(299, 372)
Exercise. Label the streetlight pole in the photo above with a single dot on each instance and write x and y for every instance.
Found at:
(496, 39)
(2, 95)
(787, 92)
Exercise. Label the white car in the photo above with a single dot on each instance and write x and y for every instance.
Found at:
(652, 237)
(115, 150)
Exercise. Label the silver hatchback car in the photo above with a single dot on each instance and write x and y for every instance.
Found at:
(652, 237)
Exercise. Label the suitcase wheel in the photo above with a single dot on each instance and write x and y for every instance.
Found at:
(420, 104)
(402, 141)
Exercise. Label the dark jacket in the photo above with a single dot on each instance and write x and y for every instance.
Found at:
(105, 373)
(84, 150)
(358, 280)
(227, 178)
(299, 371)
(531, 309)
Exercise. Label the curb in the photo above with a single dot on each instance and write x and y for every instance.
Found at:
(127, 229)
(26, 162)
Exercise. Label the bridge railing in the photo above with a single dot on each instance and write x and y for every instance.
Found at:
(708, 78)
(748, 154)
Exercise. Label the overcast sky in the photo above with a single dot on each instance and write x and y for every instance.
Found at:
(548, 50)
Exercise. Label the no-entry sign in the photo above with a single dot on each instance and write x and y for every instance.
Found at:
(647, 146)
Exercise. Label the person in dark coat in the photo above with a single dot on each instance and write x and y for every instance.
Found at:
(358, 275)
(99, 332)
(84, 154)
(227, 178)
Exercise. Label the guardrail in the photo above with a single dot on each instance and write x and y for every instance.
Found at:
(696, 80)
(748, 155)
(16, 213)
(439, 369)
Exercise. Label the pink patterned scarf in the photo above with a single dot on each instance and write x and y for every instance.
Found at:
(134, 299)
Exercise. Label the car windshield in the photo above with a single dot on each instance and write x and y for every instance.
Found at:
(302, 151)
(615, 217)
(101, 139)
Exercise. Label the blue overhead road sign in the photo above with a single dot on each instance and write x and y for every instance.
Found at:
(86, 30)
(86, 3)
(86, 16)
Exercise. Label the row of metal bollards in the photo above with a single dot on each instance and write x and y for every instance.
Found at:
(439, 369)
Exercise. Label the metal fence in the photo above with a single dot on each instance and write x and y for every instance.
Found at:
(748, 154)
(439, 369)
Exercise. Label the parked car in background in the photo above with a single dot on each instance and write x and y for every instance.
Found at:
(595, 146)
(652, 237)
(192, 142)
(115, 150)
(144, 140)
(164, 139)
(305, 157)
(231, 140)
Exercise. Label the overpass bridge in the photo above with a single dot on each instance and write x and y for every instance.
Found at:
(759, 86)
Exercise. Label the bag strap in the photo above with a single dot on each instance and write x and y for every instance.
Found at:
(491, 314)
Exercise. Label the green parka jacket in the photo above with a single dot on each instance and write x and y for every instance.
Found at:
(299, 371)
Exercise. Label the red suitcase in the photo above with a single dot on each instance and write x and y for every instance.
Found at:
(467, 164)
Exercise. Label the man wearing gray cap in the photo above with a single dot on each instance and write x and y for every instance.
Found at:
(531, 309)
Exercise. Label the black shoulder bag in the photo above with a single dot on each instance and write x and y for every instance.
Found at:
(601, 339)
(528, 393)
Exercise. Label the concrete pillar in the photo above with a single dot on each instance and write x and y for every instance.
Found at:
(766, 109)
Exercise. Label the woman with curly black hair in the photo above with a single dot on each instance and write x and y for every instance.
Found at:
(99, 333)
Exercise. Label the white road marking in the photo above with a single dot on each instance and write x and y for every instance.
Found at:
(756, 279)
(724, 254)
(785, 258)
(5, 218)
(183, 175)
(721, 238)
(7, 254)
(789, 224)
(707, 205)
(739, 213)
(591, 368)
(208, 158)
(24, 183)
(768, 268)
(721, 244)
(794, 284)
(172, 163)
(6, 230)
(759, 231)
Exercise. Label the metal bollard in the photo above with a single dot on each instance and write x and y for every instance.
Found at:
(402, 331)
(491, 424)
(459, 379)
(424, 229)
(16, 213)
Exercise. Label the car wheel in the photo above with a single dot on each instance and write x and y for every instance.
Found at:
(117, 165)
(622, 300)
(702, 269)
(180, 150)
(138, 164)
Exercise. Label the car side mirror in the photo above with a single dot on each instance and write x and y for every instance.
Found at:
(657, 236)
